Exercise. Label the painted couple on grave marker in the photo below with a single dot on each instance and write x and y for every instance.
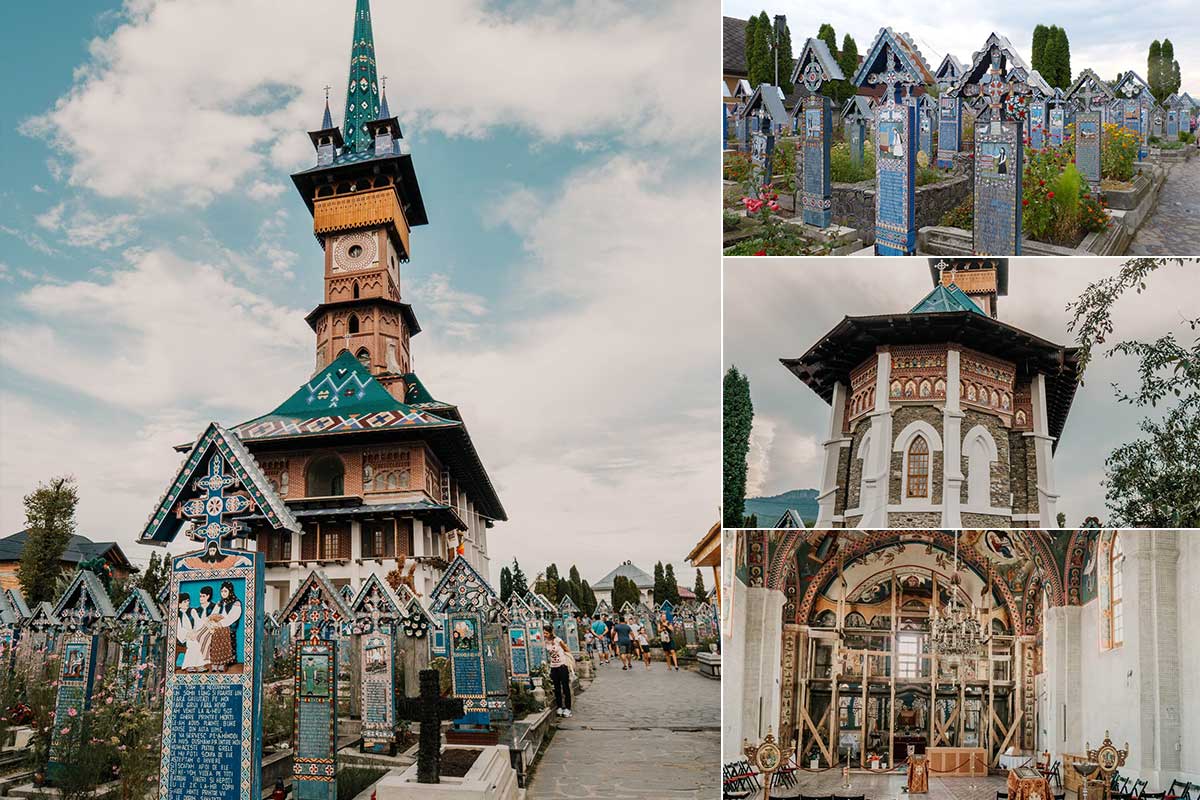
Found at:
(212, 724)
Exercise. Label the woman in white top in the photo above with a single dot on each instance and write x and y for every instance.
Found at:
(187, 628)
(560, 671)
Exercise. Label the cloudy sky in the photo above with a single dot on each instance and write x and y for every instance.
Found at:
(1108, 37)
(156, 263)
(779, 307)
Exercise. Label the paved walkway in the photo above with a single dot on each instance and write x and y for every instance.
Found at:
(638, 734)
(1173, 228)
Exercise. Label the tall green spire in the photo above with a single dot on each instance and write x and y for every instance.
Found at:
(362, 96)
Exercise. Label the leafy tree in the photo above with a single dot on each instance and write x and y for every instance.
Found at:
(1153, 481)
(827, 35)
(1040, 34)
(155, 576)
(748, 47)
(738, 418)
(50, 522)
(1154, 71)
(624, 590)
(672, 588)
(519, 585)
(1063, 72)
(783, 52)
(660, 585)
(575, 585)
(698, 588)
(505, 584)
(1170, 68)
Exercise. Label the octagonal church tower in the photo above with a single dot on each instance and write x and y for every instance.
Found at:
(943, 416)
(378, 471)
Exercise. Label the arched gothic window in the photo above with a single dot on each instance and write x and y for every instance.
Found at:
(352, 325)
(325, 477)
(918, 468)
(364, 357)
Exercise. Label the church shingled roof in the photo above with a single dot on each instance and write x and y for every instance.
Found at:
(626, 570)
(945, 299)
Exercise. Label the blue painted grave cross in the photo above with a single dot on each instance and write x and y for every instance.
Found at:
(815, 66)
(83, 610)
(319, 611)
(376, 612)
(895, 162)
(465, 602)
(1089, 134)
(949, 130)
(144, 633)
(212, 715)
(567, 611)
(999, 156)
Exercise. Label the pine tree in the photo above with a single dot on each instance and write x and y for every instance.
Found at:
(1051, 57)
(827, 35)
(1170, 69)
(660, 586)
(750, 521)
(552, 584)
(49, 523)
(505, 585)
(848, 58)
(671, 586)
(698, 588)
(564, 590)
(1038, 60)
(783, 51)
(519, 585)
(624, 590)
(738, 419)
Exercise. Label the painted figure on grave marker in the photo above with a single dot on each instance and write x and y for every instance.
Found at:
(949, 130)
(896, 139)
(212, 726)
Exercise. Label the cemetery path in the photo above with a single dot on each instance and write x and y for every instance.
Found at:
(637, 734)
(1173, 228)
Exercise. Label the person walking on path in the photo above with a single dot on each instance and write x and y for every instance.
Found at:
(600, 630)
(624, 637)
(644, 645)
(668, 644)
(561, 662)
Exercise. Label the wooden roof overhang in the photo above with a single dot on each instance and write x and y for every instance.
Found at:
(452, 444)
(403, 309)
(365, 165)
(353, 507)
(855, 339)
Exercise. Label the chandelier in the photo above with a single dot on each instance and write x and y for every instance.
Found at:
(956, 632)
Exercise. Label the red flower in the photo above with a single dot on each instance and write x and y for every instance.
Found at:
(1024, 202)
(761, 253)
(1050, 195)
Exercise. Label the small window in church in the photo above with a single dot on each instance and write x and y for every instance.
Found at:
(1116, 566)
(364, 358)
(352, 325)
(908, 655)
(356, 290)
(918, 468)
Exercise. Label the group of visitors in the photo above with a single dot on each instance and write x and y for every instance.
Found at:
(622, 638)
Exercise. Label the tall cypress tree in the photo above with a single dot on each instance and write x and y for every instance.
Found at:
(1170, 69)
(758, 56)
(1051, 57)
(49, 522)
(848, 58)
(576, 584)
(589, 600)
(1064, 60)
(660, 585)
(1154, 72)
(748, 46)
(828, 35)
(506, 584)
(698, 588)
(1038, 60)
(672, 588)
(738, 419)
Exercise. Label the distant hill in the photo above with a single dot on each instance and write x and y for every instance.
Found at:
(770, 509)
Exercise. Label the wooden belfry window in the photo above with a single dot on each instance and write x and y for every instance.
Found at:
(918, 468)
(1116, 565)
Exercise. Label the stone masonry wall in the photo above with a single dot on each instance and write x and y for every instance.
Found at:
(855, 464)
(1000, 475)
(843, 477)
(1024, 474)
(854, 203)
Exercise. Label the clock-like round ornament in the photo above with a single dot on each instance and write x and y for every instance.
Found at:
(354, 251)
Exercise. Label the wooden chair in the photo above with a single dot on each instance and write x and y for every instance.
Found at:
(1138, 788)
(1180, 790)
(739, 780)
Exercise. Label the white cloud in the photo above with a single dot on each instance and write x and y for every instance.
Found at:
(264, 190)
(85, 228)
(196, 123)
(758, 459)
(457, 311)
(162, 332)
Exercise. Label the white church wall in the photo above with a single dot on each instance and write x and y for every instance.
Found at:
(1189, 655)
(751, 668)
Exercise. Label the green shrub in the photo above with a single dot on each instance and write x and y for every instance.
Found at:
(352, 781)
(962, 215)
(841, 166)
(737, 167)
(1187, 137)
(928, 175)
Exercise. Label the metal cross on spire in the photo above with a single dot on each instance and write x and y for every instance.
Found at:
(208, 512)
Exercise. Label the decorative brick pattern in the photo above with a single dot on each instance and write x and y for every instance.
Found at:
(918, 372)
(860, 399)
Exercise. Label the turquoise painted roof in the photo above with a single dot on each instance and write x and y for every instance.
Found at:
(946, 299)
(344, 396)
(362, 94)
(416, 394)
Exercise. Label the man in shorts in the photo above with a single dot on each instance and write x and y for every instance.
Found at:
(600, 631)
(624, 636)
